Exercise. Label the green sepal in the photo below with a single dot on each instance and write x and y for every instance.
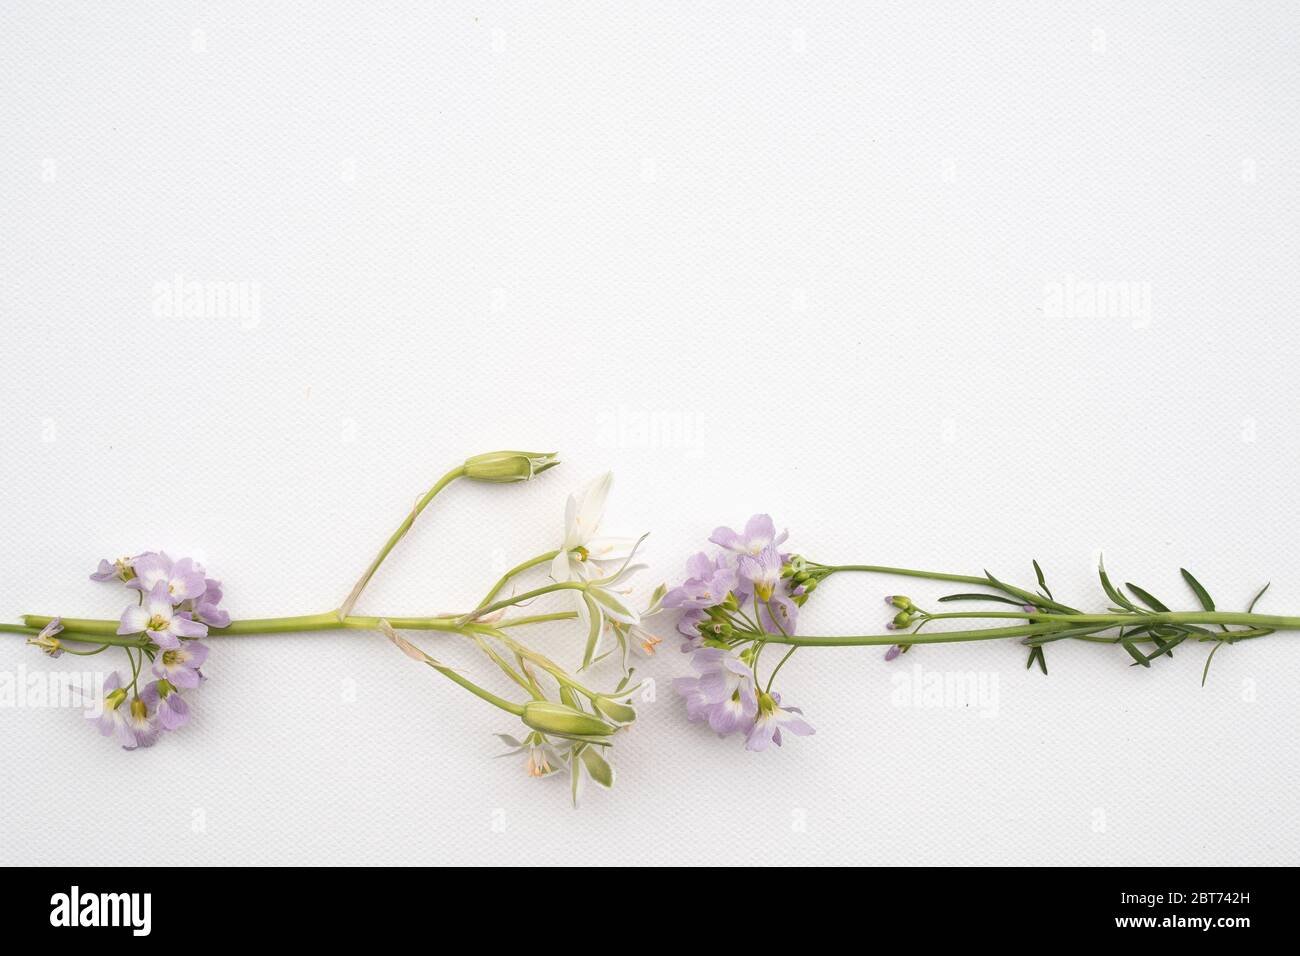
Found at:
(598, 767)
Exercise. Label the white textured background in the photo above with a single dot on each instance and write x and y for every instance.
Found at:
(796, 257)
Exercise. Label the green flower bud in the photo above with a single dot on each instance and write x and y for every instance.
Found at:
(552, 718)
(900, 602)
(902, 619)
(509, 465)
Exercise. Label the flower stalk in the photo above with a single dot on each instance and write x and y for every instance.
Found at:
(563, 718)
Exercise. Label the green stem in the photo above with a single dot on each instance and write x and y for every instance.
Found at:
(1026, 596)
(480, 692)
(517, 569)
(527, 596)
(105, 631)
(866, 640)
(346, 608)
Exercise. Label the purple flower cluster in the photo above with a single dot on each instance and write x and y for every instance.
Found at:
(176, 604)
(728, 601)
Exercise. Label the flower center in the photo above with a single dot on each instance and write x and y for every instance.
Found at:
(157, 623)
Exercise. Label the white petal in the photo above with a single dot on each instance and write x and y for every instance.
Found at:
(561, 569)
(134, 620)
(610, 549)
(591, 507)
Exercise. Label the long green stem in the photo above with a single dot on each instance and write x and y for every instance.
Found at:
(517, 569)
(346, 608)
(528, 596)
(104, 631)
(1026, 596)
(898, 637)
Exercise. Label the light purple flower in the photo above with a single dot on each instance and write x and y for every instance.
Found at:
(702, 592)
(759, 533)
(689, 628)
(736, 713)
(120, 570)
(204, 608)
(762, 570)
(723, 694)
(183, 580)
(132, 723)
(779, 615)
(180, 666)
(893, 652)
(721, 672)
(772, 719)
(162, 699)
(159, 621)
(47, 639)
(142, 723)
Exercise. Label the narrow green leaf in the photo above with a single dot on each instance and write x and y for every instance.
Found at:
(1146, 598)
(1255, 600)
(1206, 673)
(1036, 654)
(1134, 653)
(981, 597)
(1165, 647)
(1042, 583)
(1112, 592)
(1202, 595)
(1062, 634)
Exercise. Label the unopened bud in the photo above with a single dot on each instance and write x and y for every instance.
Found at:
(552, 718)
(509, 465)
(899, 601)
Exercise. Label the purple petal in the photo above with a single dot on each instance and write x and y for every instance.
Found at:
(214, 616)
(197, 654)
(183, 626)
(759, 531)
(174, 713)
(725, 537)
(184, 677)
